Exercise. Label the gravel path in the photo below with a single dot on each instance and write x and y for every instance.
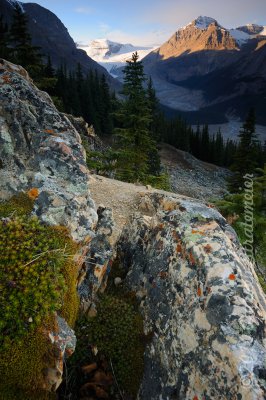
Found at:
(124, 198)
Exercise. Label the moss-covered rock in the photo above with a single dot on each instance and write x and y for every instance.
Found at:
(20, 204)
(23, 363)
(38, 277)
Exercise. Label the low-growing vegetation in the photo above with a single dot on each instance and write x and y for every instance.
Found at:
(37, 278)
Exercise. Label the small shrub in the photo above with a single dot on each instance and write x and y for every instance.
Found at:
(161, 182)
(32, 283)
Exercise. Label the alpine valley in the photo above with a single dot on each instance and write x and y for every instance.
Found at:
(208, 73)
(211, 73)
(205, 72)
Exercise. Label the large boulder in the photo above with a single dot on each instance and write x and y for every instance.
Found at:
(41, 152)
(201, 302)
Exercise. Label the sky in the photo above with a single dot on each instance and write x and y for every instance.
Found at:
(147, 22)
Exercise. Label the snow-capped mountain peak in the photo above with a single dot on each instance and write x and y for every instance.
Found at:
(103, 49)
(240, 37)
(113, 55)
(204, 22)
(244, 33)
(252, 29)
(201, 23)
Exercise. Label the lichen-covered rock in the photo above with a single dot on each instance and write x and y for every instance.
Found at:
(41, 154)
(87, 133)
(201, 301)
(64, 342)
(97, 266)
(41, 151)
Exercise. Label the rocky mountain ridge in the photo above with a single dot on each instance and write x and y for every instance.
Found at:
(50, 34)
(197, 291)
(207, 70)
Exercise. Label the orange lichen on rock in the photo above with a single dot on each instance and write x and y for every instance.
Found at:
(49, 131)
(175, 235)
(33, 193)
(194, 232)
(192, 259)
(199, 292)
(232, 277)
(208, 248)
(195, 398)
(163, 274)
(6, 79)
(179, 248)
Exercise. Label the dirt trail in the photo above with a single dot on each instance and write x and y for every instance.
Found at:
(124, 198)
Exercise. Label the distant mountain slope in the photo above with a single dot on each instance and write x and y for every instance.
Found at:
(113, 55)
(52, 36)
(207, 69)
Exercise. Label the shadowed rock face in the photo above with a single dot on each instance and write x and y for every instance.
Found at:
(200, 298)
(49, 33)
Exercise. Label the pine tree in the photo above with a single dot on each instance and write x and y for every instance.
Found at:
(154, 161)
(47, 78)
(22, 51)
(49, 71)
(133, 138)
(218, 149)
(4, 50)
(105, 107)
(245, 160)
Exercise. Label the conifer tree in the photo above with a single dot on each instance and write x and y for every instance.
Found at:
(4, 51)
(105, 107)
(154, 161)
(133, 138)
(22, 51)
(246, 157)
(49, 71)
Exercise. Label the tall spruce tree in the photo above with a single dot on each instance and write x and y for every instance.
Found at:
(134, 136)
(4, 50)
(21, 49)
(246, 157)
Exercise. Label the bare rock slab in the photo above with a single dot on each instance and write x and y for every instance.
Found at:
(201, 301)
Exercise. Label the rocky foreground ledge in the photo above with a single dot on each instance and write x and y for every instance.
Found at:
(198, 293)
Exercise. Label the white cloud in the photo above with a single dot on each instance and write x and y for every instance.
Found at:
(84, 10)
(150, 38)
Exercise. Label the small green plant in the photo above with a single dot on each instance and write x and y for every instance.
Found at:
(38, 276)
(161, 182)
(32, 284)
